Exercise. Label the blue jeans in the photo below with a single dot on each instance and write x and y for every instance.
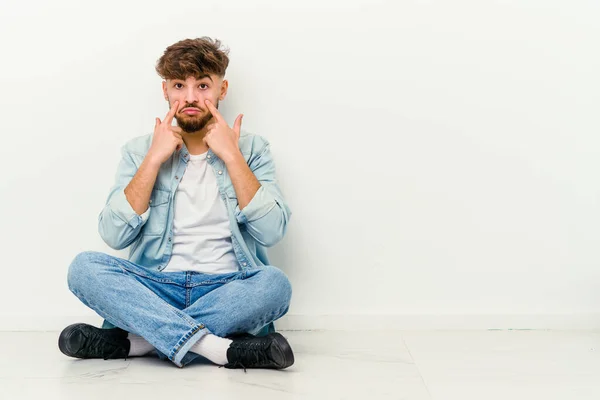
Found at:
(173, 310)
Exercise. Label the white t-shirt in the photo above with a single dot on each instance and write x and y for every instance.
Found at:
(201, 233)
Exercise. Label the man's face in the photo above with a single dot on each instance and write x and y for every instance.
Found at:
(192, 114)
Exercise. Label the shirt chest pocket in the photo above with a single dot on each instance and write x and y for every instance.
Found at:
(159, 204)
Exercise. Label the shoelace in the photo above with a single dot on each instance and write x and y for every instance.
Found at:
(251, 354)
(97, 344)
(236, 363)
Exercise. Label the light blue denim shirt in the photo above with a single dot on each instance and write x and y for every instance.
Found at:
(261, 224)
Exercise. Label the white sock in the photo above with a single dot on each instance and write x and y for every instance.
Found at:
(139, 345)
(212, 347)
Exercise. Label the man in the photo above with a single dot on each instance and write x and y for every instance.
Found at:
(198, 203)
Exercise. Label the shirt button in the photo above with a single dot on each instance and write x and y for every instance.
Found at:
(208, 156)
(150, 201)
(176, 177)
(244, 264)
(220, 172)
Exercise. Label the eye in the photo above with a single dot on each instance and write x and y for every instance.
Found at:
(204, 84)
(177, 84)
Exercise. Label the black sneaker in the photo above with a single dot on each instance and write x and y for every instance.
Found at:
(87, 341)
(270, 351)
(241, 335)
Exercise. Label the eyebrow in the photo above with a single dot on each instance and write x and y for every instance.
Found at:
(201, 77)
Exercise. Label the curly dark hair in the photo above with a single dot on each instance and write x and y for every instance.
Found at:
(193, 57)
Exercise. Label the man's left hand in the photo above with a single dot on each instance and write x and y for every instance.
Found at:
(222, 139)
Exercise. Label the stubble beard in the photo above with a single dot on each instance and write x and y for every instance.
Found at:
(193, 124)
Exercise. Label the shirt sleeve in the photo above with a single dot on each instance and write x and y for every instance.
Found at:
(267, 215)
(118, 223)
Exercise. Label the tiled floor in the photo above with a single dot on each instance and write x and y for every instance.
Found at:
(482, 365)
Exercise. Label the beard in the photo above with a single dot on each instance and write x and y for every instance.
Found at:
(193, 123)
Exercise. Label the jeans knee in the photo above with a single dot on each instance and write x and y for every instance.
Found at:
(79, 270)
(280, 284)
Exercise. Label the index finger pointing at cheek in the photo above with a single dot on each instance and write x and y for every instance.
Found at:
(213, 110)
(171, 113)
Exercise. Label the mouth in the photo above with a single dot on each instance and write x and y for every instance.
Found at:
(191, 111)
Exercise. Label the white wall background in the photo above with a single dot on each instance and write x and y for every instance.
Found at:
(440, 157)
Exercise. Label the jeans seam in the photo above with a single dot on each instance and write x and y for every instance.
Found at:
(190, 321)
(122, 323)
(238, 276)
(114, 263)
(197, 328)
(174, 310)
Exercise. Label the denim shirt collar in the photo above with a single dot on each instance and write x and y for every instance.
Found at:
(183, 154)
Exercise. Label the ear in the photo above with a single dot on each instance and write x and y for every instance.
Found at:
(164, 88)
(224, 87)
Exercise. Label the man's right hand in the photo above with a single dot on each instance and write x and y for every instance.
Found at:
(166, 139)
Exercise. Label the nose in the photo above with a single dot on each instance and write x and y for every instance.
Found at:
(191, 96)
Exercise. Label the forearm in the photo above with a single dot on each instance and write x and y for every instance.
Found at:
(243, 179)
(261, 205)
(138, 191)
